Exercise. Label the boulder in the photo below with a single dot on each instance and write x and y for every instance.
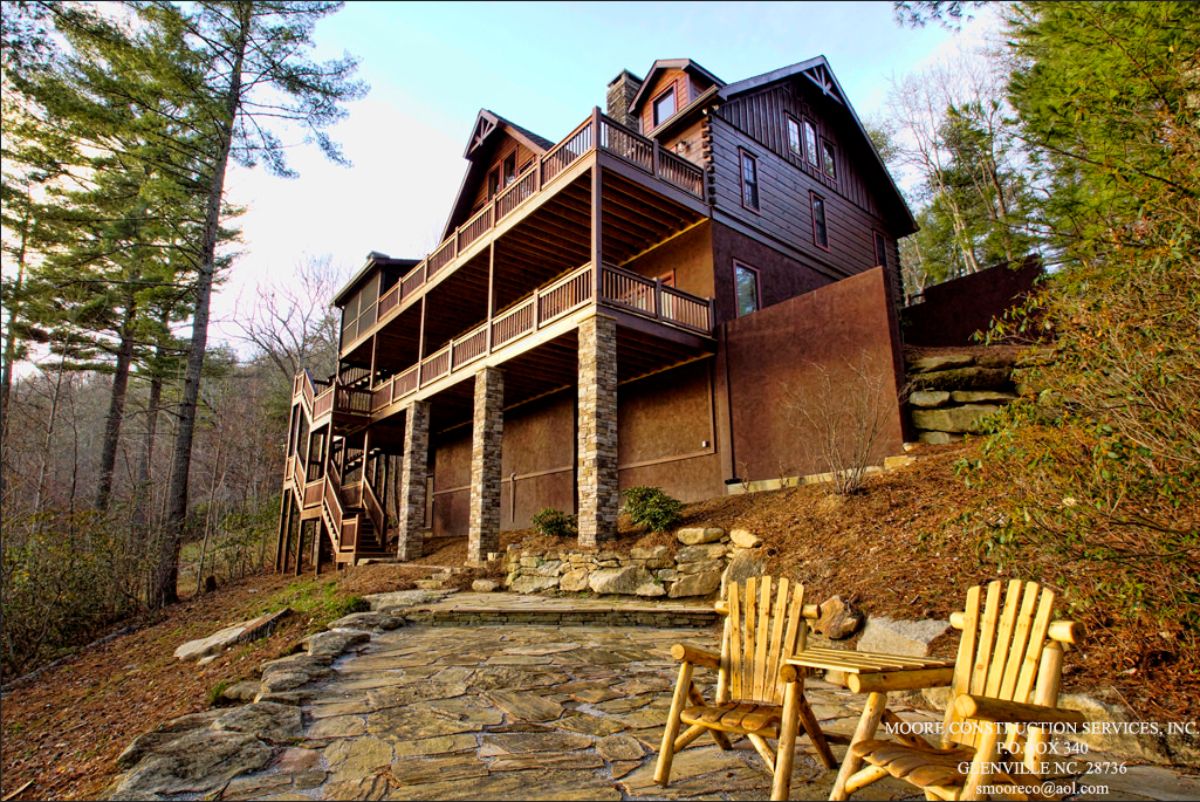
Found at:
(938, 438)
(533, 584)
(898, 636)
(575, 580)
(743, 565)
(267, 721)
(217, 642)
(403, 599)
(744, 538)
(695, 535)
(1123, 740)
(981, 396)
(961, 379)
(657, 557)
(195, 763)
(244, 691)
(368, 621)
(333, 642)
(695, 584)
(624, 581)
(650, 589)
(484, 585)
(546, 568)
(897, 461)
(702, 553)
(940, 362)
(700, 567)
(839, 619)
(928, 398)
(966, 418)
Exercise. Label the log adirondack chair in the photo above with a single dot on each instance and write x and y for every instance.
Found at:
(766, 621)
(1006, 678)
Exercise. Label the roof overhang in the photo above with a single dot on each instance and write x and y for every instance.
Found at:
(374, 260)
(685, 64)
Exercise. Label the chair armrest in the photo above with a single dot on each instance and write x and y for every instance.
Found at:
(984, 708)
(700, 657)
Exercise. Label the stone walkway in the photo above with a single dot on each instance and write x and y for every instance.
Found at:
(527, 710)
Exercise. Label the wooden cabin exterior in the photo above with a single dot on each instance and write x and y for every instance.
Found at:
(565, 340)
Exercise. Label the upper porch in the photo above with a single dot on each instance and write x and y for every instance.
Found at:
(552, 216)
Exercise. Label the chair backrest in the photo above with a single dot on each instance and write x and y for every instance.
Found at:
(1009, 650)
(764, 625)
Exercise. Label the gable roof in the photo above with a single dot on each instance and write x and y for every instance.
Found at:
(488, 123)
(818, 71)
(374, 259)
(685, 64)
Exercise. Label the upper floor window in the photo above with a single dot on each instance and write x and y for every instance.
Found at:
(820, 231)
(828, 162)
(795, 144)
(493, 185)
(749, 181)
(510, 168)
(745, 285)
(880, 250)
(664, 106)
(810, 143)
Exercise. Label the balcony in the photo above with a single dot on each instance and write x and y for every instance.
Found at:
(549, 173)
(509, 331)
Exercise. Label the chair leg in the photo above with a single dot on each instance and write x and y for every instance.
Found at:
(813, 728)
(662, 772)
(785, 749)
(868, 723)
(985, 755)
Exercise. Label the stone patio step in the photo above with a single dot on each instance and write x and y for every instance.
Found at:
(509, 608)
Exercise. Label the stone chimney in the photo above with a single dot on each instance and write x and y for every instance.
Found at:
(620, 94)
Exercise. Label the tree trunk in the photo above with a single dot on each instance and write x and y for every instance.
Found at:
(10, 342)
(116, 405)
(168, 564)
(39, 497)
(141, 491)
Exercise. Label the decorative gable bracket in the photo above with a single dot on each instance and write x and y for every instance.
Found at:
(819, 75)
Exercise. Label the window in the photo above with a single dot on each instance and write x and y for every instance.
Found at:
(664, 106)
(745, 286)
(829, 164)
(880, 250)
(749, 181)
(810, 143)
(820, 232)
(493, 185)
(793, 136)
(510, 168)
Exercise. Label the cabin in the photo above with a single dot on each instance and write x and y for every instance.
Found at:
(618, 307)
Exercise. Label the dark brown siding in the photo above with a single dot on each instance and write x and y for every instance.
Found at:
(762, 115)
(772, 356)
(501, 152)
(784, 204)
(779, 277)
(677, 78)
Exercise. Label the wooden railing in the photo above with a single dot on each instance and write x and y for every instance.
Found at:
(435, 365)
(353, 375)
(565, 295)
(323, 403)
(511, 324)
(598, 131)
(468, 347)
(374, 509)
(648, 297)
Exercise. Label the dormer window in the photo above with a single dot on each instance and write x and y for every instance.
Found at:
(664, 106)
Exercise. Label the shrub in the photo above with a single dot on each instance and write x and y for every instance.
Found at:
(554, 523)
(652, 508)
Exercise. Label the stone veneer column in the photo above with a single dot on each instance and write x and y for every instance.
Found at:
(596, 471)
(414, 469)
(486, 432)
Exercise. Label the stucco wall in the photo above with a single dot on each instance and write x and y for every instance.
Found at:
(775, 358)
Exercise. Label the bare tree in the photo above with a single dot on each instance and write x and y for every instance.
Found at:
(291, 323)
(843, 413)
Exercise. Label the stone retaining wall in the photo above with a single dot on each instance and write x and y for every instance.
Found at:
(951, 394)
(696, 568)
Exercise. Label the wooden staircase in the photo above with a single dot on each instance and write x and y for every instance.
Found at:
(350, 512)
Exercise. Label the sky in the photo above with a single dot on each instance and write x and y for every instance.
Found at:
(432, 66)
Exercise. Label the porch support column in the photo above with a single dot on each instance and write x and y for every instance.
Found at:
(596, 470)
(486, 432)
(414, 468)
